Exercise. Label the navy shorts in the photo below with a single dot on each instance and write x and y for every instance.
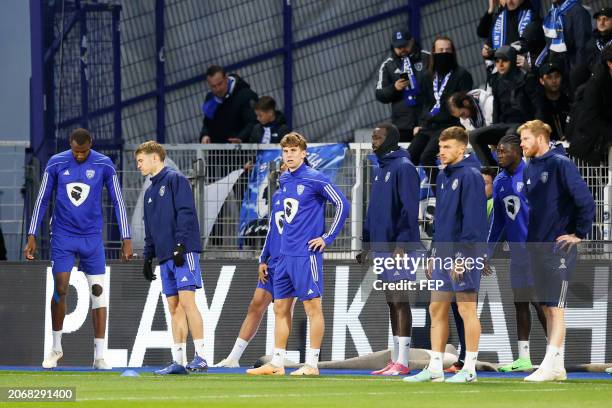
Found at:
(89, 249)
(470, 279)
(552, 272)
(520, 266)
(175, 278)
(394, 274)
(299, 276)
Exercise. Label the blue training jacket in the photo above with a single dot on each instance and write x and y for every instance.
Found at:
(169, 215)
(559, 200)
(510, 208)
(271, 249)
(78, 196)
(461, 204)
(393, 210)
(305, 191)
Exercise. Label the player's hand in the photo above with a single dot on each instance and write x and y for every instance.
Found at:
(263, 272)
(429, 269)
(568, 241)
(488, 269)
(457, 272)
(147, 270)
(401, 84)
(317, 244)
(415, 130)
(127, 252)
(30, 248)
(178, 255)
(234, 140)
(362, 257)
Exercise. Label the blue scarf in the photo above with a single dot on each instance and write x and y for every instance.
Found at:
(553, 29)
(209, 107)
(499, 29)
(411, 91)
(438, 90)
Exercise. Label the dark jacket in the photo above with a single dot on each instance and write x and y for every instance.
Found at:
(278, 129)
(593, 50)
(460, 80)
(515, 97)
(234, 117)
(393, 210)
(559, 200)
(461, 204)
(487, 22)
(554, 113)
(402, 115)
(576, 33)
(170, 216)
(590, 120)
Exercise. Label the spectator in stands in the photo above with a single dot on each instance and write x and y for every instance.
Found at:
(592, 121)
(474, 109)
(272, 126)
(511, 22)
(567, 28)
(554, 103)
(398, 82)
(602, 36)
(444, 78)
(227, 108)
(514, 102)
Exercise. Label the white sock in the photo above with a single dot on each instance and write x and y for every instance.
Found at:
(552, 354)
(559, 359)
(238, 349)
(57, 340)
(436, 363)
(470, 361)
(198, 346)
(98, 349)
(312, 357)
(404, 349)
(523, 349)
(395, 352)
(178, 351)
(278, 358)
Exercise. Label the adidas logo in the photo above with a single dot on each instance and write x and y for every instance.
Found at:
(310, 292)
(184, 279)
(529, 181)
(150, 201)
(66, 173)
(502, 190)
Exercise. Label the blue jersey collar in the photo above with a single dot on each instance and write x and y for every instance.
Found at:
(159, 175)
(299, 170)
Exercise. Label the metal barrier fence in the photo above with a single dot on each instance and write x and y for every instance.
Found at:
(208, 166)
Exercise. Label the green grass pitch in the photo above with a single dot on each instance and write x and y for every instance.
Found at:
(233, 390)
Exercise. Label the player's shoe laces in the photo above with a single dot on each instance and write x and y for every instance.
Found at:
(542, 375)
(52, 358)
(521, 364)
(397, 369)
(266, 369)
(101, 364)
(463, 376)
(306, 370)
(174, 368)
(226, 362)
(382, 370)
(426, 376)
(197, 365)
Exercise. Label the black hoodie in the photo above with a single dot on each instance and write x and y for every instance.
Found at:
(278, 129)
(592, 50)
(234, 117)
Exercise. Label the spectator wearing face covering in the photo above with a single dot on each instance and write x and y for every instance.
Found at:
(515, 98)
(445, 77)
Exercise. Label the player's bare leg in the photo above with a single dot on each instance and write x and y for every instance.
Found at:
(467, 303)
(553, 366)
(314, 311)
(179, 330)
(58, 313)
(196, 328)
(282, 328)
(257, 308)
